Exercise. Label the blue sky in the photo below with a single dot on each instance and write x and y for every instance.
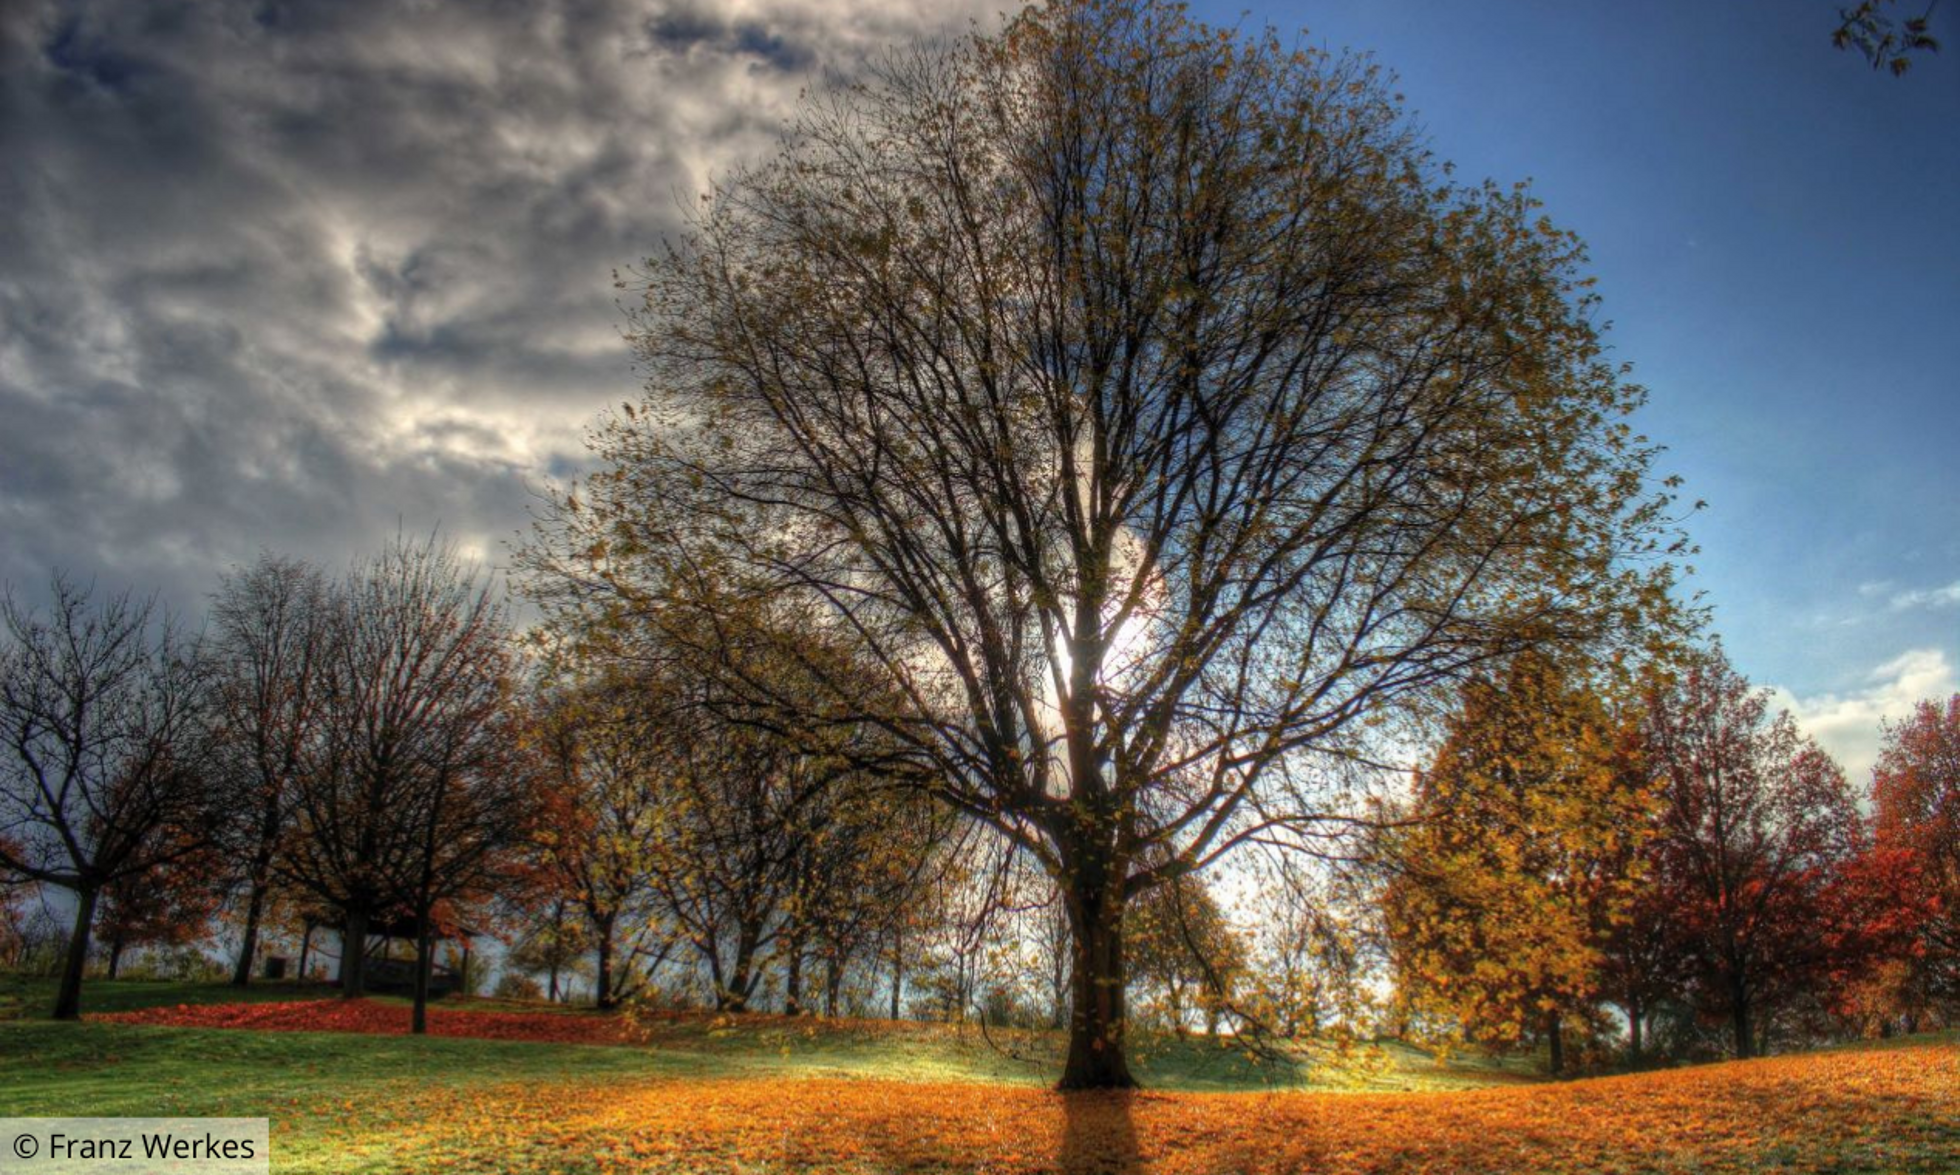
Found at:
(1776, 232)
(291, 275)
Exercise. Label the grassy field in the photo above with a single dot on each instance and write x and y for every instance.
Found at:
(764, 1094)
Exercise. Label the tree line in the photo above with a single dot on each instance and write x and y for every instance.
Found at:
(380, 752)
(1677, 852)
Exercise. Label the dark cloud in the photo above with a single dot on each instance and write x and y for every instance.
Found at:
(687, 30)
(289, 275)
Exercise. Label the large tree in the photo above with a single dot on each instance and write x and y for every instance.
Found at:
(1149, 411)
(104, 773)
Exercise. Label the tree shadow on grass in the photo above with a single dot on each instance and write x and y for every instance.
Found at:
(1099, 1134)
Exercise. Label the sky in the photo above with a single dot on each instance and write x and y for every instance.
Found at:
(293, 276)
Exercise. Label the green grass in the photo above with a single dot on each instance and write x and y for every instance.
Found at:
(780, 1047)
(31, 997)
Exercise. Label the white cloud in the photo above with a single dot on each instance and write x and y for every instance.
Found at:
(1848, 724)
(1943, 597)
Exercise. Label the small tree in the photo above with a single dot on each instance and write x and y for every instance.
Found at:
(1182, 944)
(169, 905)
(604, 779)
(105, 774)
(410, 791)
(461, 789)
(553, 940)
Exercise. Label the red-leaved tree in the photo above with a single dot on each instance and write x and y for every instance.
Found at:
(1757, 827)
(1916, 803)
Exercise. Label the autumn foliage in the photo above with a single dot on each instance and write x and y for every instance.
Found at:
(1916, 796)
(1522, 859)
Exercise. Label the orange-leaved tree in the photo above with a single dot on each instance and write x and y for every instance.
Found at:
(1520, 858)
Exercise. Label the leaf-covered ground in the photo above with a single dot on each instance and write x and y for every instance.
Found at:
(1896, 1110)
(762, 1094)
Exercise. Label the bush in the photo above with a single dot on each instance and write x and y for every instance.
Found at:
(514, 985)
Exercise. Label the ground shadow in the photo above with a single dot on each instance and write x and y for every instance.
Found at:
(1099, 1134)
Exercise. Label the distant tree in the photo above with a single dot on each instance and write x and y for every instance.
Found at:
(1878, 910)
(731, 824)
(169, 905)
(1916, 803)
(463, 784)
(104, 775)
(411, 792)
(1757, 825)
(605, 779)
(1520, 861)
(1885, 43)
(269, 628)
(555, 942)
(1182, 944)
(861, 857)
(1151, 414)
(750, 845)
(1643, 967)
(1319, 950)
(32, 939)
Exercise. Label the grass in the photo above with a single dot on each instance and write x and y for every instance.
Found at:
(783, 1047)
(766, 1094)
(31, 997)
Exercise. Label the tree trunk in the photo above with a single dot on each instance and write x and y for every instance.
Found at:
(353, 955)
(898, 970)
(1635, 1015)
(424, 949)
(68, 1001)
(1096, 1057)
(602, 994)
(793, 982)
(1745, 1038)
(734, 997)
(305, 948)
(1555, 1034)
(241, 975)
(833, 984)
(115, 956)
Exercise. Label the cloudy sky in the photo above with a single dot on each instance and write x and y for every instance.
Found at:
(287, 275)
